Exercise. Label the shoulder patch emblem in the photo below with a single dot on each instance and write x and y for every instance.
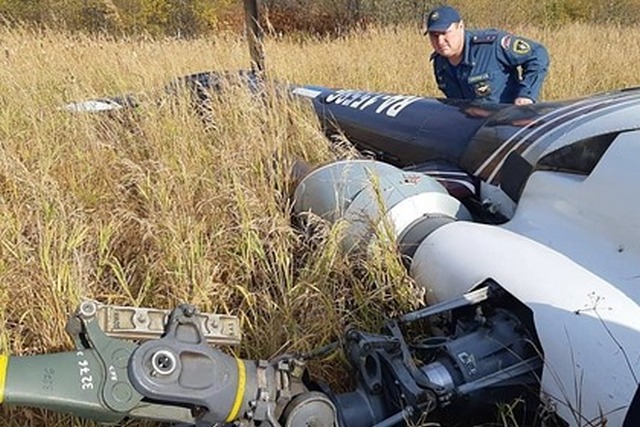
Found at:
(505, 42)
(521, 47)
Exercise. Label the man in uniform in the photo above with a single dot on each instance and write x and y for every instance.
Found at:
(489, 65)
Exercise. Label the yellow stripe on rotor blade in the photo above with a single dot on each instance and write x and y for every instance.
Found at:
(4, 362)
(242, 384)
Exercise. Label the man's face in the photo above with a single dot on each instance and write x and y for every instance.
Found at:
(449, 43)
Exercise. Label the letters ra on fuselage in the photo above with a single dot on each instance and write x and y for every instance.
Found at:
(389, 105)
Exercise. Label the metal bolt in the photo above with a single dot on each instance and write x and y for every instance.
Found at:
(163, 362)
(141, 317)
(88, 308)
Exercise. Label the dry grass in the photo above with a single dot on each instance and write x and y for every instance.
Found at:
(153, 209)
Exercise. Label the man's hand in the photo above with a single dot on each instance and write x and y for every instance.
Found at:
(523, 101)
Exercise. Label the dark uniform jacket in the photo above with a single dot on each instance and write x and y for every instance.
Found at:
(496, 67)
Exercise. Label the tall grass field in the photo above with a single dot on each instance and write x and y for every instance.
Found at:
(151, 208)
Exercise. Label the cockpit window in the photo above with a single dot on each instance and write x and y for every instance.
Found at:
(580, 157)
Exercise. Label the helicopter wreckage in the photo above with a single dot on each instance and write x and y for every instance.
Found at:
(518, 221)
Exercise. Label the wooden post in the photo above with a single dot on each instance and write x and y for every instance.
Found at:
(254, 35)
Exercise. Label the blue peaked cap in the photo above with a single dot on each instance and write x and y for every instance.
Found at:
(439, 19)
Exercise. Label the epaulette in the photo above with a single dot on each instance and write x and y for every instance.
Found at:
(485, 37)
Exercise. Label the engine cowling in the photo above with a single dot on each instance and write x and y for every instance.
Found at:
(377, 200)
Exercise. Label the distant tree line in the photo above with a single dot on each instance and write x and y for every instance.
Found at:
(193, 18)
(179, 18)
